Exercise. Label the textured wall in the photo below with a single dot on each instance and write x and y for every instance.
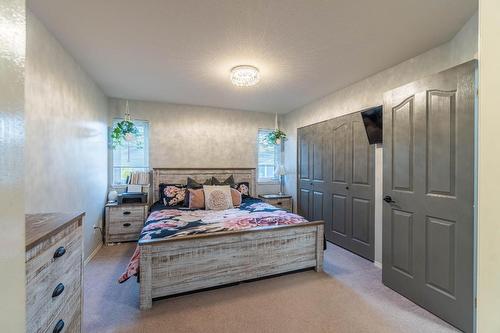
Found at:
(12, 66)
(369, 92)
(184, 136)
(66, 134)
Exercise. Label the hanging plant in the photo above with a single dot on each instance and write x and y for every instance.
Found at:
(276, 137)
(125, 131)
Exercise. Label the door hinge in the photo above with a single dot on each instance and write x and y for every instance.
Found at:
(475, 302)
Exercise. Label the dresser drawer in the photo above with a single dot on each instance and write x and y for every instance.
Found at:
(125, 227)
(53, 277)
(285, 203)
(126, 213)
(68, 319)
(124, 222)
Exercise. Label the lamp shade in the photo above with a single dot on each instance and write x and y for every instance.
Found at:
(280, 170)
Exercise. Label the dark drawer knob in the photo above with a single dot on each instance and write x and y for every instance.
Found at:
(279, 203)
(126, 213)
(126, 225)
(59, 252)
(58, 290)
(59, 326)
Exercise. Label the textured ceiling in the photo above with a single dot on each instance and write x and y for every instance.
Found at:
(182, 51)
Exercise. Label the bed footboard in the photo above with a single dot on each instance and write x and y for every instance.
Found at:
(174, 266)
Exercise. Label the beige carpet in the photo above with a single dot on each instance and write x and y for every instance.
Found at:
(348, 297)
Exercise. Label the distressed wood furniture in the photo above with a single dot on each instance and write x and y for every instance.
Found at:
(283, 201)
(124, 222)
(172, 266)
(54, 272)
(179, 176)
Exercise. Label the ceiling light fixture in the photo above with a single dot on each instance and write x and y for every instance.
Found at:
(245, 76)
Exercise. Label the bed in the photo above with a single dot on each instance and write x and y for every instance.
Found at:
(182, 250)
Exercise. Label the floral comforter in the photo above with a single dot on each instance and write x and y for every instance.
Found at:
(175, 223)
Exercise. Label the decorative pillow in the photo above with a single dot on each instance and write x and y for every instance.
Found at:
(243, 188)
(196, 198)
(236, 197)
(172, 194)
(218, 197)
(228, 181)
(161, 190)
(193, 184)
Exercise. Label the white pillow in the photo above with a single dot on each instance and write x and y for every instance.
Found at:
(217, 197)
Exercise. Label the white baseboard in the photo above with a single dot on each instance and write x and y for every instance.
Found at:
(377, 264)
(92, 255)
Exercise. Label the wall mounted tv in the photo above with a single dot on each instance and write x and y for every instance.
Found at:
(372, 118)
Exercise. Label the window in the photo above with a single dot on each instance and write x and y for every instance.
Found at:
(268, 158)
(128, 157)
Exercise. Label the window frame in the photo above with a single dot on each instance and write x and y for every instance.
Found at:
(277, 160)
(146, 146)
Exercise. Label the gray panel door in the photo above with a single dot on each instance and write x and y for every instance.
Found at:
(352, 186)
(339, 228)
(429, 176)
(335, 181)
(312, 166)
(319, 170)
(305, 173)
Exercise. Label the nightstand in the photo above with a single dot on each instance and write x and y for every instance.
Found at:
(283, 201)
(124, 222)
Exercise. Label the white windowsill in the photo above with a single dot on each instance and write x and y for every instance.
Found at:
(271, 182)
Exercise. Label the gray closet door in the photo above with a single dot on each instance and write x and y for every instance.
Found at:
(312, 166)
(304, 172)
(319, 168)
(429, 176)
(339, 227)
(335, 181)
(352, 186)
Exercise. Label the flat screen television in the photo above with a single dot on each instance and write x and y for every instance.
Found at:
(372, 118)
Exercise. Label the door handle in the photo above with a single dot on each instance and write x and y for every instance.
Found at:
(388, 199)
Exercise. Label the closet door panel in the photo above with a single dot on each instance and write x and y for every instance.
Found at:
(341, 153)
(317, 206)
(361, 162)
(318, 157)
(339, 210)
(304, 164)
(320, 166)
(305, 174)
(361, 215)
(304, 208)
(362, 190)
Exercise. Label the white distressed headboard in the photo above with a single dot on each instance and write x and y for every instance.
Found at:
(179, 176)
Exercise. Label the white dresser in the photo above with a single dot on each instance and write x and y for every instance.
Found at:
(54, 272)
